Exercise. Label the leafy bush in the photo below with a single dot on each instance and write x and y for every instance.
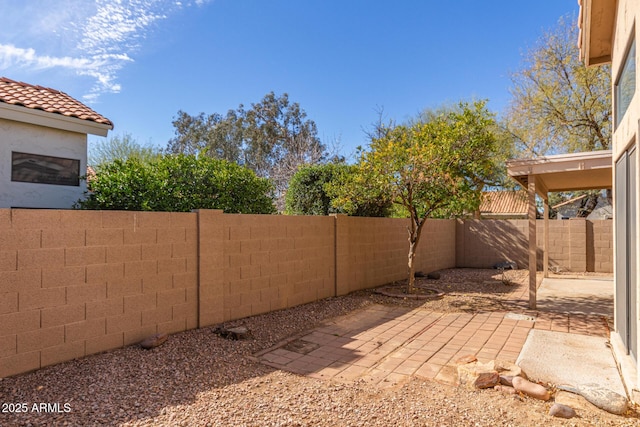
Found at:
(312, 188)
(178, 183)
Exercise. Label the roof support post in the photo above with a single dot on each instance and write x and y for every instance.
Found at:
(546, 238)
(533, 246)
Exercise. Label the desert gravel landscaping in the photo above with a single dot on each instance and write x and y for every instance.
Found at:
(197, 378)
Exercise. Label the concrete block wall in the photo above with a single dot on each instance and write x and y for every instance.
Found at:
(437, 247)
(576, 245)
(600, 255)
(482, 243)
(559, 244)
(275, 262)
(370, 251)
(74, 283)
(374, 251)
(253, 264)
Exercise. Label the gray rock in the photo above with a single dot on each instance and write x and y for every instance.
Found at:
(559, 410)
(505, 265)
(603, 398)
(235, 333)
(506, 380)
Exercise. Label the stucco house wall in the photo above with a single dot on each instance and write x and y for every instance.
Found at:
(608, 29)
(625, 139)
(43, 145)
(28, 138)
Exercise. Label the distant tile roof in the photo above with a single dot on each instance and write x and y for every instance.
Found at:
(504, 202)
(46, 99)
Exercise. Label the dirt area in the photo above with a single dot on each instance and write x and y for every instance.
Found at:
(466, 290)
(200, 379)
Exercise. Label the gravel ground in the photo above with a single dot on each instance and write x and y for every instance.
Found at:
(199, 379)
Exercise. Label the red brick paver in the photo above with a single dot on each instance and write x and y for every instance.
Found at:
(385, 344)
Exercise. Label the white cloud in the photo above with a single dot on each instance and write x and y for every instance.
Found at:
(15, 56)
(97, 38)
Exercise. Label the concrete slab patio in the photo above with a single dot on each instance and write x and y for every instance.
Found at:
(571, 360)
(593, 295)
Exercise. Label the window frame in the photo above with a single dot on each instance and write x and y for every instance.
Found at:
(631, 47)
(40, 161)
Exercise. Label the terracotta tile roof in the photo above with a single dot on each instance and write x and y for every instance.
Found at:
(504, 202)
(46, 99)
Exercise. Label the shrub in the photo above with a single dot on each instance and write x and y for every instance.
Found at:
(178, 183)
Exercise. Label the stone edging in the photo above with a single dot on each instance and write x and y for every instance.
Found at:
(389, 293)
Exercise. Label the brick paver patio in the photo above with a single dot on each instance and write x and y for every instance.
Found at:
(386, 345)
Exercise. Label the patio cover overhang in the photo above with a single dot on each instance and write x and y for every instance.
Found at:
(564, 172)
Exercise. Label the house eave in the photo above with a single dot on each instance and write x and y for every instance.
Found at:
(52, 120)
(596, 22)
(564, 172)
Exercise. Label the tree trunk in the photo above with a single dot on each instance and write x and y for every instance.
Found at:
(412, 267)
(588, 205)
(414, 237)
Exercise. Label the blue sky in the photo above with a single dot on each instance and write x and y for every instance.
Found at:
(138, 62)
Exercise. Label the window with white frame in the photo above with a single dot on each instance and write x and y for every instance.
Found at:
(625, 86)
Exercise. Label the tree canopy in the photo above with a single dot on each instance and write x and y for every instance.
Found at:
(272, 138)
(312, 191)
(432, 169)
(119, 147)
(178, 183)
(558, 105)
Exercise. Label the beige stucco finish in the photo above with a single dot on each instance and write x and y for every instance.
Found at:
(624, 30)
(564, 172)
(597, 18)
(27, 138)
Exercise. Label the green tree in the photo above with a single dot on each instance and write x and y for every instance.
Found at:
(312, 188)
(213, 135)
(505, 143)
(558, 105)
(272, 138)
(120, 147)
(435, 169)
(179, 183)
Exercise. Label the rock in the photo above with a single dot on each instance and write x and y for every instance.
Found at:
(434, 275)
(469, 358)
(530, 389)
(419, 274)
(154, 341)
(236, 333)
(505, 265)
(604, 398)
(448, 375)
(570, 398)
(505, 389)
(477, 375)
(559, 410)
(506, 380)
(486, 380)
(507, 369)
